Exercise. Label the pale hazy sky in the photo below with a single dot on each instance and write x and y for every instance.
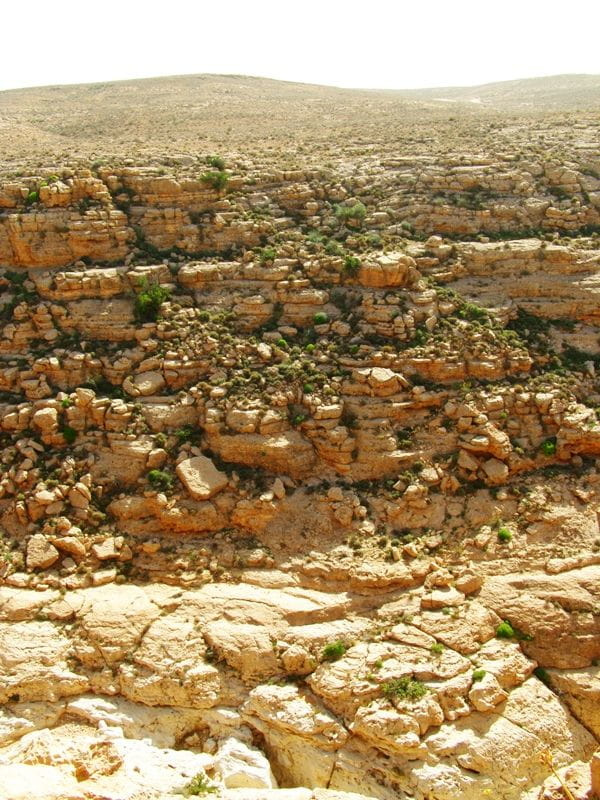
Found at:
(394, 44)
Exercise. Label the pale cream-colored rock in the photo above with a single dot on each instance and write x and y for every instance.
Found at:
(392, 269)
(80, 495)
(465, 632)
(559, 638)
(144, 383)
(201, 478)
(44, 782)
(40, 552)
(111, 622)
(397, 728)
(170, 666)
(106, 549)
(505, 661)
(34, 660)
(486, 694)
(300, 736)
(580, 690)
(246, 648)
(442, 598)
(243, 767)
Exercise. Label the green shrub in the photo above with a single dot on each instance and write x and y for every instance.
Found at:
(320, 318)
(333, 248)
(149, 300)
(69, 434)
(333, 651)
(437, 649)
(548, 447)
(308, 388)
(199, 785)
(267, 254)
(188, 433)
(159, 479)
(218, 180)
(505, 630)
(31, 198)
(351, 265)
(478, 675)
(347, 213)
(216, 162)
(504, 535)
(404, 688)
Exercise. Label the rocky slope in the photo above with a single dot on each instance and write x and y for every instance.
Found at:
(300, 481)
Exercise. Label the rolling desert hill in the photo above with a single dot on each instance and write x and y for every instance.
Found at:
(184, 114)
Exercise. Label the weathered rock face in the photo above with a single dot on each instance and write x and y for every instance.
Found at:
(296, 502)
(179, 665)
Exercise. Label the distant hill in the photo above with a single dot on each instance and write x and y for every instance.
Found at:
(550, 93)
(188, 114)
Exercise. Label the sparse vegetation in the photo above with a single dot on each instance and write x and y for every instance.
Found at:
(149, 300)
(333, 651)
(404, 688)
(160, 479)
(504, 534)
(217, 180)
(199, 786)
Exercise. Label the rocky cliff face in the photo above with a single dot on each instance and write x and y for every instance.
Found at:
(300, 481)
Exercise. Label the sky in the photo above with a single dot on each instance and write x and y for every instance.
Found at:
(388, 44)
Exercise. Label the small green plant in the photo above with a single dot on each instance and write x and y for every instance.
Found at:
(308, 388)
(199, 785)
(333, 651)
(31, 198)
(320, 318)
(478, 675)
(505, 630)
(350, 213)
(159, 479)
(404, 688)
(351, 265)
(216, 162)
(69, 434)
(217, 180)
(504, 535)
(548, 447)
(188, 433)
(267, 254)
(437, 648)
(149, 300)
(66, 402)
(333, 248)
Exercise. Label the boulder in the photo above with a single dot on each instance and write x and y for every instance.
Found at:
(201, 478)
(40, 552)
